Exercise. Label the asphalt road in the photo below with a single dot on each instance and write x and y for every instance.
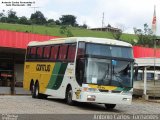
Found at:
(28, 105)
(27, 108)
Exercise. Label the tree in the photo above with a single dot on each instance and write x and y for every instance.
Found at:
(68, 20)
(65, 31)
(38, 18)
(84, 26)
(23, 20)
(51, 22)
(117, 33)
(57, 22)
(1, 15)
(145, 36)
(4, 19)
(12, 17)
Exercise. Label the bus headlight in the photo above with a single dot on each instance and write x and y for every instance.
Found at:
(126, 99)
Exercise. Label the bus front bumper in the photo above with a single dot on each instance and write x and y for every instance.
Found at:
(105, 98)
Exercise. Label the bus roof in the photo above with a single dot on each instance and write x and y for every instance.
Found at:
(77, 39)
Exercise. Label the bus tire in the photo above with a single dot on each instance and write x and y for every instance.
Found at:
(110, 106)
(37, 94)
(69, 95)
(32, 87)
(36, 90)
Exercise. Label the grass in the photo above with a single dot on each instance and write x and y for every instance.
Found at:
(54, 31)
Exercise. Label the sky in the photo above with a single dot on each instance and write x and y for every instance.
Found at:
(126, 14)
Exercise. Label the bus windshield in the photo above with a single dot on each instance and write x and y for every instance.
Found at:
(104, 64)
(109, 72)
(108, 51)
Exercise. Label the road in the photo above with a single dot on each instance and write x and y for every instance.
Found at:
(28, 105)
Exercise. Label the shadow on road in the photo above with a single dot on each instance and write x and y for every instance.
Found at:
(86, 106)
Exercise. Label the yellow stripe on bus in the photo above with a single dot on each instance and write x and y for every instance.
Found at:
(102, 87)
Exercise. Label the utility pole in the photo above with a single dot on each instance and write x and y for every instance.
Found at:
(34, 8)
(102, 21)
(154, 27)
(32, 21)
(154, 59)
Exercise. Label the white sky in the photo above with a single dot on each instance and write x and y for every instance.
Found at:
(129, 13)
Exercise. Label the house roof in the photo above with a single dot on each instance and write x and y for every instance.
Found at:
(144, 52)
(13, 39)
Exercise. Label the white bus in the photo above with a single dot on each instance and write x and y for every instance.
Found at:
(82, 69)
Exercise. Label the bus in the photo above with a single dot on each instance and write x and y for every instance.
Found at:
(80, 69)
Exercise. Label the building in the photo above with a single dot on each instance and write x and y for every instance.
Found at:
(147, 82)
(12, 55)
(107, 29)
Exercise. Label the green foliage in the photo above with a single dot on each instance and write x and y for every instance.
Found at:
(12, 17)
(1, 15)
(23, 20)
(68, 20)
(145, 36)
(51, 23)
(69, 33)
(65, 31)
(83, 26)
(57, 22)
(4, 19)
(116, 34)
(38, 18)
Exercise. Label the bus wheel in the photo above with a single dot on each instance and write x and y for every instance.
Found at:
(32, 91)
(37, 94)
(110, 106)
(69, 95)
(36, 90)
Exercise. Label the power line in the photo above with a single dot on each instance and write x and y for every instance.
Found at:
(34, 8)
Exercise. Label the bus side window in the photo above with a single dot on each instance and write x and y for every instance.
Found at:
(80, 63)
(80, 68)
(54, 52)
(71, 53)
(81, 50)
(39, 52)
(28, 53)
(63, 52)
(33, 53)
(46, 53)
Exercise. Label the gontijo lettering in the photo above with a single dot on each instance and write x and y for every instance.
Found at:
(43, 67)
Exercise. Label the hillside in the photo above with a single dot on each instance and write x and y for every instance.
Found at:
(54, 31)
